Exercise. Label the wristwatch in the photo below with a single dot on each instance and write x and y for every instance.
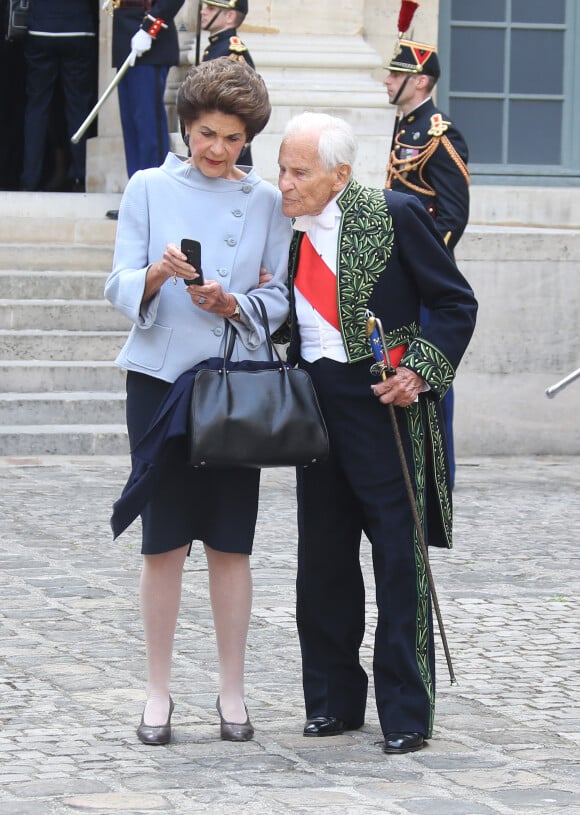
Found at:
(235, 315)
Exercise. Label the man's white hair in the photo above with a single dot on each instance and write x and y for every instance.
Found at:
(336, 145)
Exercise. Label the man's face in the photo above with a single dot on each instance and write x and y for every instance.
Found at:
(208, 13)
(394, 80)
(305, 185)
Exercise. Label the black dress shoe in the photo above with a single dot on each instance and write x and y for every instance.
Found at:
(325, 726)
(403, 742)
(156, 734)
(112, 214)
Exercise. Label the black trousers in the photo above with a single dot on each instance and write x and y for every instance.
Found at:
(12, 90)
(73, 62)
(360, 488)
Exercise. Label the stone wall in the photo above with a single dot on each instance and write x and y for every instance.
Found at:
(521, 254)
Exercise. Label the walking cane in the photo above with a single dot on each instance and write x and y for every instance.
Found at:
(384, 369)
(109, 90)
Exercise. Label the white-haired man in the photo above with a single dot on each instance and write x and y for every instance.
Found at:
(356, 249)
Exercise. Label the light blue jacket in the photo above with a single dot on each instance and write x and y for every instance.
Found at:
(240, 226)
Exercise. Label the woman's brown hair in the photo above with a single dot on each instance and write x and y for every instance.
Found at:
(228, 86)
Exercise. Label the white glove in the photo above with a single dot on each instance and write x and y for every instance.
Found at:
(140, 42)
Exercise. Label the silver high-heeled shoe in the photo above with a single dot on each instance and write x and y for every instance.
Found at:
(156, 734)
(235, 731)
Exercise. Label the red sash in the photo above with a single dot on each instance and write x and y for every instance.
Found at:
(316, 282)
(396, 354)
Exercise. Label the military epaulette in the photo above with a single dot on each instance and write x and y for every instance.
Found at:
(438, 125)
(237, 46)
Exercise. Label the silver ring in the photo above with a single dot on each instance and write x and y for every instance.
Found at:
(201, 301)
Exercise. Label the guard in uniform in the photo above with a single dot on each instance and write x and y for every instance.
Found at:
(221, 19)
(146, 30)
(428, 154)
(428, 159)
(223, 29)
(60, 49)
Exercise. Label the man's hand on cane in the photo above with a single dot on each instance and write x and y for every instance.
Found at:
(401, 390)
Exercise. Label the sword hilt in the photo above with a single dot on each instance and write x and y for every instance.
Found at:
(382, 365)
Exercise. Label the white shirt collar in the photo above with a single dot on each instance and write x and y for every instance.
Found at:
(326, 219)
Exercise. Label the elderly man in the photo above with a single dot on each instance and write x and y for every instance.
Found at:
(356, 249)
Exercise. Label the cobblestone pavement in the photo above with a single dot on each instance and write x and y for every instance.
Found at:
(507, 737)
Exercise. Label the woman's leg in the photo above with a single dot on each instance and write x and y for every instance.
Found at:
(230, 587)
(160, 599)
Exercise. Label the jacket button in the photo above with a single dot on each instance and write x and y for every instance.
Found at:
(218, 331)
(237, 213)
(231, 241)
(247, 188)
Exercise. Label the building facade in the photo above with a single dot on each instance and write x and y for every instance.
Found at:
(510, 80)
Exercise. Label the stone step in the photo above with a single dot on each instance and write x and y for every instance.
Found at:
(40, 257)
(64, 440)
(66, 314)
(61, 391)
(61, 345)
(44, 376)
(52, 230)
(522, 244)
(71, 408)
(60, 285)
(58, 204)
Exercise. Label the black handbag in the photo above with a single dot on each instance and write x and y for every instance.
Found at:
(17, 25)
(255, 413)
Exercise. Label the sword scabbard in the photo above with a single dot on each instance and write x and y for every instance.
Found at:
(382, 367)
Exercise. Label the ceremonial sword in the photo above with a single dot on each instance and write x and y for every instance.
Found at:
(198, 32)
(75, 139)
(563, 383)
(383, 368)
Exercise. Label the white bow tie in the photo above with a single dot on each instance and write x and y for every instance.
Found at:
(326, 220)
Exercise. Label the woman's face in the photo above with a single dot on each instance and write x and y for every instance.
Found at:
(216, 141)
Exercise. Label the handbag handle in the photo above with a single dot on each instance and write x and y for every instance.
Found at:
(231, 335)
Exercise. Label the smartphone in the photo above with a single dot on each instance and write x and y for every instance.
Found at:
(192, 249)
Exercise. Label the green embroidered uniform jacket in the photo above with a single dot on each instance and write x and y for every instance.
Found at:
(390, 260)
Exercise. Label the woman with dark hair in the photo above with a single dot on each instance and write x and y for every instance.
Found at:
(237, 217)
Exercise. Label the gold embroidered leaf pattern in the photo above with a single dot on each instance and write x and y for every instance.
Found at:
(439, 472)
(366, 243)
(416, 430)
